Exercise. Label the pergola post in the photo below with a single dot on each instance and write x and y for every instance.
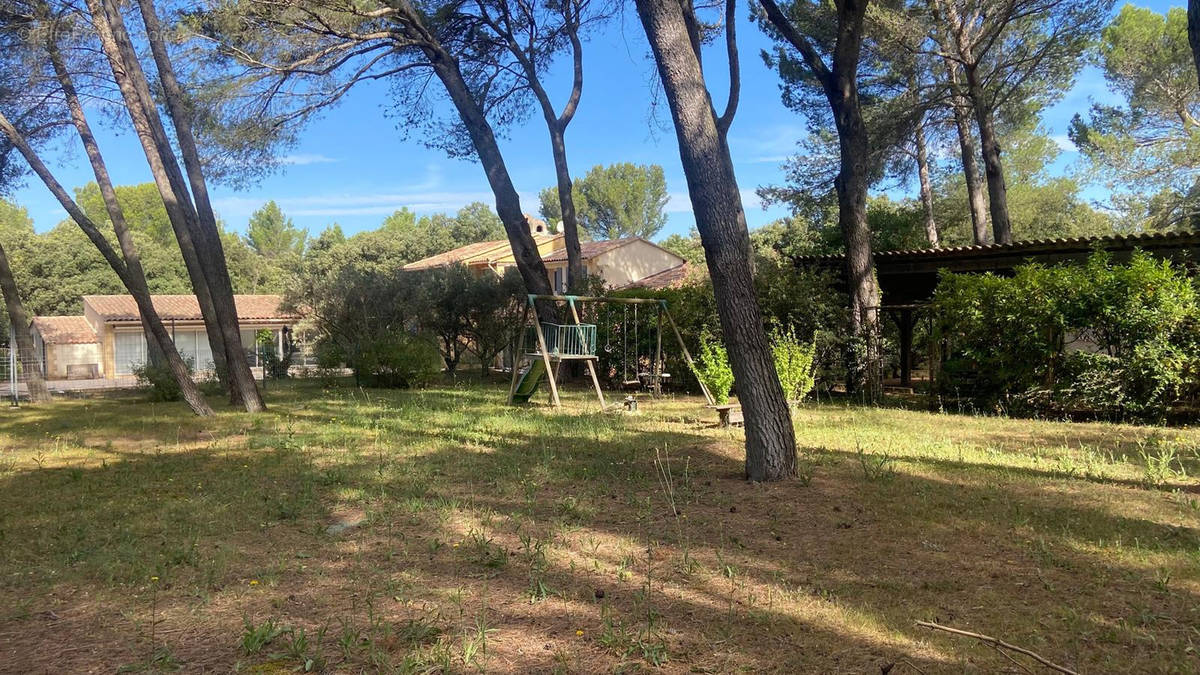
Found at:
(906, 338)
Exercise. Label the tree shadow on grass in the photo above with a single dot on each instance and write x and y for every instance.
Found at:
(494, 519)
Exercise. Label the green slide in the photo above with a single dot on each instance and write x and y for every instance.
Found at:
(528, 384)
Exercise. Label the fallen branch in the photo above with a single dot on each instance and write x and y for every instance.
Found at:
(998, 644)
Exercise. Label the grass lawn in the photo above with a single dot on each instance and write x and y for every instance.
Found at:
(442, 531)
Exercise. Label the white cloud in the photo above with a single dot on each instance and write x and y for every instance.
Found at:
(770, 144)
(1064, 143)
(302, 159)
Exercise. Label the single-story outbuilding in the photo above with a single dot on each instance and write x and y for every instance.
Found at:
(107, 340)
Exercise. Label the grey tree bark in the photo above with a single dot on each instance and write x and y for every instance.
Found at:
(116, 214)
(243, 387)
(931, 230)
(556, 122)
(19, 319)
(508, 202)
(717, 204)
(148, 127)
(976, 201)
(992, 165)
(191, 394)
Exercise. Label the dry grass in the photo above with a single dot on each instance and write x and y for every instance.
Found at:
(441, 531)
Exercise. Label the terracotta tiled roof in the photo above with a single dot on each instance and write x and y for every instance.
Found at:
(64, 330)
(184, 307)
(591, 249)
(498, 248)
(668, 278)
(457, 255)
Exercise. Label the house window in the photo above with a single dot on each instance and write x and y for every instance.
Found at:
(250, 344)
(193, 347)
(558, 281)
(129, 351)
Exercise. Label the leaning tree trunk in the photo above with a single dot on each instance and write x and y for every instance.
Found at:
(116, 214)
(976, 200)
(993, 168)
(566, 201)
(148, 127)
(931, 231)
(508, 202)
(717, 204)
(243, 388)
(38, 393)
(191, 394)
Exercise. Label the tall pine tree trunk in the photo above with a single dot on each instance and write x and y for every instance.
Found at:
(243, 387)
(149, 130)
(976, 201)
(992, 166)
(851, 186)
(931, 231)
(27, 357)
(717, 204)
(1193, 27)
(566, 201)
(839, 82)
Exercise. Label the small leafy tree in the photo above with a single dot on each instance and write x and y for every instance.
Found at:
(794, 364)
(713, 369)
(443, 309)
(493, 312)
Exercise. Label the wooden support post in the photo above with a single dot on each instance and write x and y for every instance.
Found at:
(520, 353)
(688, 356)
(591, 365)
(537, 325)
(906, 337)
(656, 389)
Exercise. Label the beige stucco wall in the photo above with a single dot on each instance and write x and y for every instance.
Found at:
(92, 318)
(58, 357)
(632, 262)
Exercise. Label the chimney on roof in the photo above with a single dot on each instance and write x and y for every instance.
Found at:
(537, 226)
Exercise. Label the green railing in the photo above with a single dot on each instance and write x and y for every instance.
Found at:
(564, 339)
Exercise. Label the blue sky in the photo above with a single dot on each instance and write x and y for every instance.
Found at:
(353, 168)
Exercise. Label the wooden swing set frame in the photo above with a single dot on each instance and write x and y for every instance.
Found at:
(553, 361)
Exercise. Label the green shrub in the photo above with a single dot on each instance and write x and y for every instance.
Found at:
(712, 368)
(402, 360)
(1101, 339)
(794, 364)
(158, 380)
